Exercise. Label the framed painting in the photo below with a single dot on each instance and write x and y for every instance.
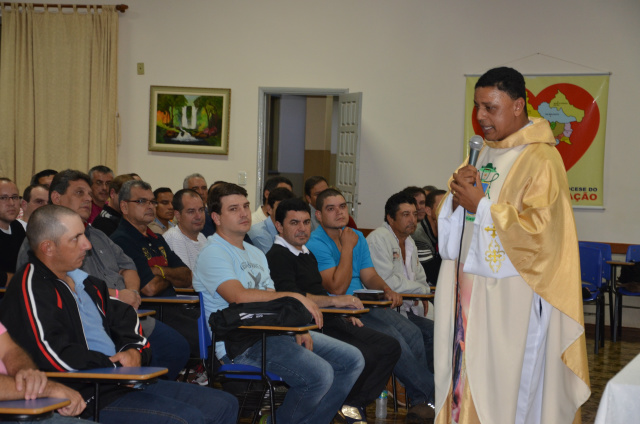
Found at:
(189, 120)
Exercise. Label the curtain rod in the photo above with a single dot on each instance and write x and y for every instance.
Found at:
(119, 7)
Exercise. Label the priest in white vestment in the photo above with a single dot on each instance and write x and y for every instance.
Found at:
(509, 327)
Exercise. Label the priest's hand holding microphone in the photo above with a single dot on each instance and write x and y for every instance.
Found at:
(466, 187)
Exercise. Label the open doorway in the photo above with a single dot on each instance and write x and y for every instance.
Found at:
(305, 132)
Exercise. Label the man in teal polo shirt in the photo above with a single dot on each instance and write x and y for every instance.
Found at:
(345, 265)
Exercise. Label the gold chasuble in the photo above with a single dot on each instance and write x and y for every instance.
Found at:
(532, 247)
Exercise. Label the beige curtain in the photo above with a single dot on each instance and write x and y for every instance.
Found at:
(58, 89)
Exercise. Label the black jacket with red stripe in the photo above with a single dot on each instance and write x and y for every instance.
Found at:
(41, 314)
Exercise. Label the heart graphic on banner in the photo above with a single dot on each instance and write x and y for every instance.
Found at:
(574, 133)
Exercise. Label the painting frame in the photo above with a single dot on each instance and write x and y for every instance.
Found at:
(189, 120)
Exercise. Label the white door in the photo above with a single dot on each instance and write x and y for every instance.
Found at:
(348, 151)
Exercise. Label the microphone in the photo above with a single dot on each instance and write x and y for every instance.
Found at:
(475, 144)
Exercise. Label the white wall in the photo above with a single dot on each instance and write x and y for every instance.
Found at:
(407, 57)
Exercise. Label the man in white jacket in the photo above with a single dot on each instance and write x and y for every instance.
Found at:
(395, 259)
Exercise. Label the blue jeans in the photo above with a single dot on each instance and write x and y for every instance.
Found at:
(426, 328)
(411, 368)
(168, 349)
(319, 381)
(170, 402)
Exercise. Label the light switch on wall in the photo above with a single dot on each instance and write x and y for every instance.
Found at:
(242, 178)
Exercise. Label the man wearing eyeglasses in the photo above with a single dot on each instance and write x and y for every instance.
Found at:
(11, 231)
(159, 268)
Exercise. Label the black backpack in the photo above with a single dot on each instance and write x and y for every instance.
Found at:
(281, 312)
(630, 277)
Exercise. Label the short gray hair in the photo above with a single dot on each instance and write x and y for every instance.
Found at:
(125, 190)
(185, 183)
(45, 224)
(101, 169)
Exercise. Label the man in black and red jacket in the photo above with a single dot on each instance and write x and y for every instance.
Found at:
(66, 320)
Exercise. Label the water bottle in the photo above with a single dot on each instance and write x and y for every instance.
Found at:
(381, 405)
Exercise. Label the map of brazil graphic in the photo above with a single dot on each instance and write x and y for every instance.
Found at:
(576, 108)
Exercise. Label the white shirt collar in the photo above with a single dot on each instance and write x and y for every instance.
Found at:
(282, 242)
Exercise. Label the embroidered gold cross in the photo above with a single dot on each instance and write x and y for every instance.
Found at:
(491, 230)
(494, 253)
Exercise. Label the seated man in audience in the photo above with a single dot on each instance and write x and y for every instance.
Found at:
(20, 379)
(12, 233)
(208, 215)
(395, 259)
(345, 265)
(43, 177)
(100, 176)
(78, 326)
(295, 269)
(271, 184)
(110, 216)
(264, 233)
(107, 261)
(428, 189)
(33, 197)
(186, 239)
(215, 184)
(197, 183)
(426, 235)
(313, 186)
(421, 197)
(164, 211)
(319, 370)
(159, 268)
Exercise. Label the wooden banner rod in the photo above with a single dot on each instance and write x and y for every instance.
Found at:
(119, 7)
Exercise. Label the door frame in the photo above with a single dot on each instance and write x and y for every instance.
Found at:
(263, 93)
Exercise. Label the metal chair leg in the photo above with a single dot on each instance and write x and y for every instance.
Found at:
(611, 306)
(598, 318)
(395, 393)
(256, 413)
(602, 323)
(617, 317)
(613, 302)
(406, 398)
(272, 399)
(265, 379)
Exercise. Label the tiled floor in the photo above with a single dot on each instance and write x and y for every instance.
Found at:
(611, 359)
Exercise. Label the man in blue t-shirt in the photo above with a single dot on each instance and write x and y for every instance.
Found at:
(345, 265)
(319, 370)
